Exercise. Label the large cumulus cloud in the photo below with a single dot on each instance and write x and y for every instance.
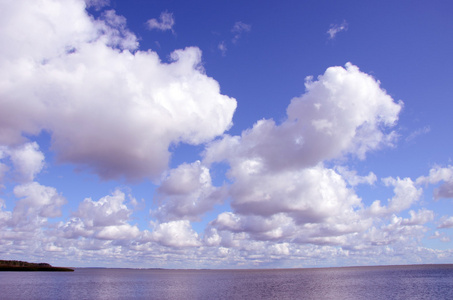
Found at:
(109, 107)
(343, 112)
(280, 168)
(282, 186)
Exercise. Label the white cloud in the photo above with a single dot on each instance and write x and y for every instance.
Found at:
(358, 111)
(116, 110)
(308, 196)
(281, 189)
(256, 237)
(441, 236)
(406, 193)
(97, 4)
(417, 133)
(446, 222)
(3, 167)
(4, 215)
(421, 217)
(21, 163)
(276, 227)
(438, 174)
(222, 47)
(165, 22)
(353, 179)
(238, 29)
(107, 211)
(105, 219)
(27, 161)
(114, 32)
(176, 234)
(35, 202)
(444, 191)
(337, 28)
(66, 80)
(398, 232)
(187, 193)
(118, 232)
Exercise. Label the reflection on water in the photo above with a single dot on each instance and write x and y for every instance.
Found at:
(397, 282)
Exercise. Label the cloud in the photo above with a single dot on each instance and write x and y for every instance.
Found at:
(187, 193)
(281, 189)
(109, 110)
(343, 113)
(406, 193)
(353, 179)
(35, 202)
(176, 234)
(222, 47)
(440, 236)
(311, 195)
(109, 210)
(105, 219)
(355, 234)
(3, 170)
(118, 232)
(115, 110)
(278, 171)
(438, 174)
(239, 28)
(336, 28)
(165, 22)
(27, 161)
(421, 217)
(446, 222)
(114, 30)
(101, 231)
(444, 191)
(417, 133)
(97, 4)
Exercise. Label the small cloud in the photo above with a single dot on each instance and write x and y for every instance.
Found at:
(446, 223)
(444, 191)
(97, 4)
(165, 22)
(222, 47)
(418, 132)
(353, 179)
(441, 236)
(335, 28)
(238, 28)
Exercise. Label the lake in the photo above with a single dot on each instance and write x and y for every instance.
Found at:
(387, 282)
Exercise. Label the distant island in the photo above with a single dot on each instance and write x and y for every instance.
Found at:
(16, 265)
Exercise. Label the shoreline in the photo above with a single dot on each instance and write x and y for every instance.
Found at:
(22, 266)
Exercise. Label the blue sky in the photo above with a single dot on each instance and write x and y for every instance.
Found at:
(226, 134)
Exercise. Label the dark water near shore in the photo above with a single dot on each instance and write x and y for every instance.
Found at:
(392, 282)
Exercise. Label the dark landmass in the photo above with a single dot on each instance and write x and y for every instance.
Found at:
(16, 265)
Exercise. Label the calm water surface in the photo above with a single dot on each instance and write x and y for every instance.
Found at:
(395, 282)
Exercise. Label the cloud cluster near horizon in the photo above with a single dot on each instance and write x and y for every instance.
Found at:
(115, 110)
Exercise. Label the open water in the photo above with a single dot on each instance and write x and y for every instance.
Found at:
(389, 282)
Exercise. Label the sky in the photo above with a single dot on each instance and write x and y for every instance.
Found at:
(226, 134)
